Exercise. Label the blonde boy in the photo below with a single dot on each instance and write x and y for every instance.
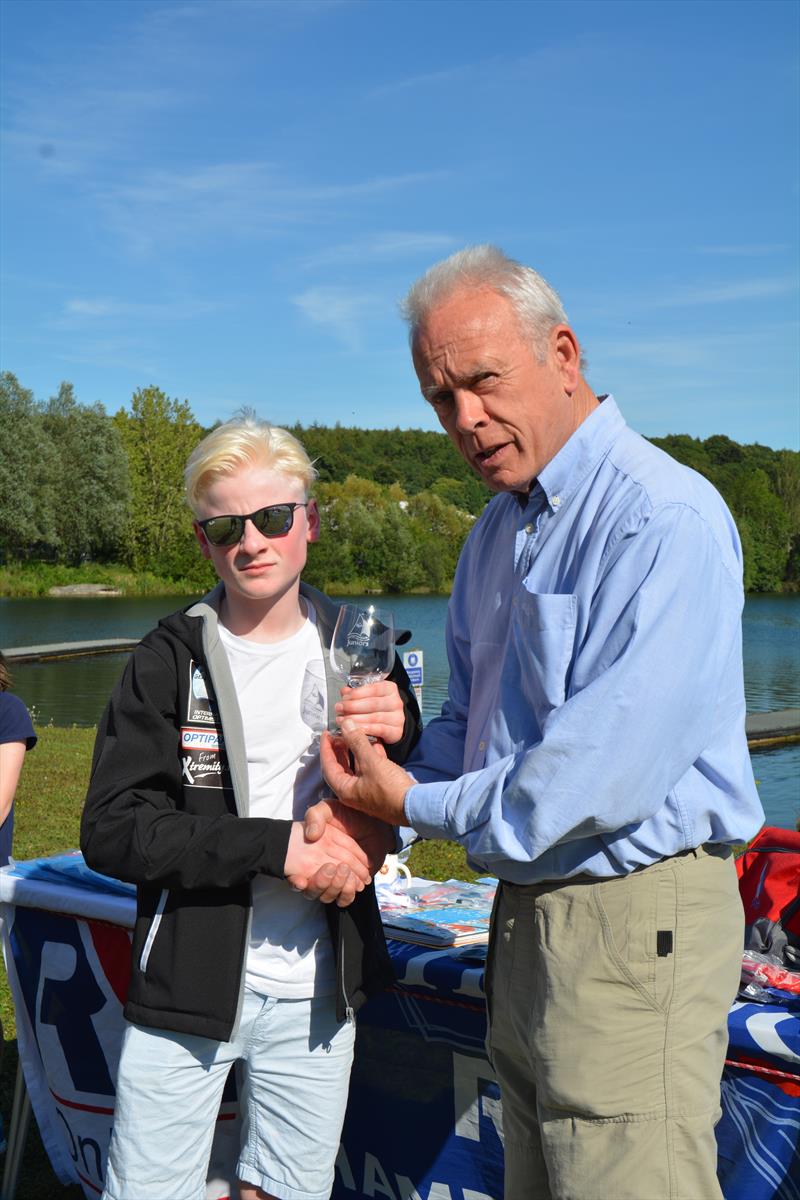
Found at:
(206, 760)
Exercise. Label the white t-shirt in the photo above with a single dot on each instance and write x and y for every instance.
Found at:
(282, 698)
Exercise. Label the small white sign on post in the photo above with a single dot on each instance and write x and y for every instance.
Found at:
(412, 661)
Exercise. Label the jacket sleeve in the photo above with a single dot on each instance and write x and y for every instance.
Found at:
(134, 826)
(412, 728)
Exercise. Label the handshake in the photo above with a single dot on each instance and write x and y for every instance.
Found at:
(334, 852)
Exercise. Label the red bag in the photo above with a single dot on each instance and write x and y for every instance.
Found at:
(769, 883)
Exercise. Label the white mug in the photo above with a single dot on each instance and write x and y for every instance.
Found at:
(392, 867)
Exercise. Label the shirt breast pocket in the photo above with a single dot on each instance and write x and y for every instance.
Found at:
(543, 627)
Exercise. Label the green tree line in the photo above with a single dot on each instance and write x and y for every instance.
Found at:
(761, 487)
(78, 486)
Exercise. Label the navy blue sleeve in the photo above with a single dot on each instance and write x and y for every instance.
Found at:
(15, 721)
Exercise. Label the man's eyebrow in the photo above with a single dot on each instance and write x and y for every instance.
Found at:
(474, 375)
(432, 389)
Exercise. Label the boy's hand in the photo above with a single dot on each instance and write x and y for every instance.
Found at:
(331, 883)
(375, 837)
(376, 708)
(334, 867)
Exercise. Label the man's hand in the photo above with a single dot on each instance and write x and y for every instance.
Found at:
(374, 785)
(376, 708)
(334, 867)
(375, 837)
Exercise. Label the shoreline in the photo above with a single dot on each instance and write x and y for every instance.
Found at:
(18, 583)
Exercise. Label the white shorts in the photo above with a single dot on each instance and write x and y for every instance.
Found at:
(296, 1060)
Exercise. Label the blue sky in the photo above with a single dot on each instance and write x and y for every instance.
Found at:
(227, 198)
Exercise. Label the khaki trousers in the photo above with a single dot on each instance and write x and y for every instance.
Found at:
(608, 1006)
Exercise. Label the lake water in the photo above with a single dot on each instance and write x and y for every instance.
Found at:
(75, 692)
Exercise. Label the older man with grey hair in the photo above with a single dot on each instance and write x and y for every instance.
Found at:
(591, 752)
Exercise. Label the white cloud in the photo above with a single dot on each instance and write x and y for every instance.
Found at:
(724, 293)
(427, 79)
(322, 193)
(745, 251)
(694, 349)
(90, 308)
(80, 130)
(114, 354)
(543, 65)
(238, 198)
(171, 14)
(102, 308)
(381, 246)
(339, 310)
(681, 351)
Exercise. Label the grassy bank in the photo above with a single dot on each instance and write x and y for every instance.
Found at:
(27, 580)
(46, 821)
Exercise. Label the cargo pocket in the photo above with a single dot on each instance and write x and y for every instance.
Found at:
(638, 916)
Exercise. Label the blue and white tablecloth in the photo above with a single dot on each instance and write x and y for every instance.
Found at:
(424, 1117)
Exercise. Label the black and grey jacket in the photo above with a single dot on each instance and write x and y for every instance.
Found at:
(167, 809)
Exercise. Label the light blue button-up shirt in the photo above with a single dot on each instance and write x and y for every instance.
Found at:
(595, 713)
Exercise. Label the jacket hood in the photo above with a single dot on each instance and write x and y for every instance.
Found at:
(187, 623)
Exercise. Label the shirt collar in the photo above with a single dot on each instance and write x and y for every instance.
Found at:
(558, 481)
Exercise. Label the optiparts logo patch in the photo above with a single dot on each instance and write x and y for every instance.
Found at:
(201, 762)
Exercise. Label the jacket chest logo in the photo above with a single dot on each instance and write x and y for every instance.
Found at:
(202, 763)
(198, 709)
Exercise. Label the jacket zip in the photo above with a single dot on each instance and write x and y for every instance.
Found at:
(219, 669)
(153, 930)
(349, 1015)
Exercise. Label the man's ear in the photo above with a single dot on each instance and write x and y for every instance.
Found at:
(312, 514)
(566, 355)
(202, 540)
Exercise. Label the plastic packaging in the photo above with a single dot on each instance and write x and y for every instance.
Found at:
(763, 972)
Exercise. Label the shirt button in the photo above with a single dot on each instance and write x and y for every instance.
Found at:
(529, 528)
(481, 745)
(556, 501)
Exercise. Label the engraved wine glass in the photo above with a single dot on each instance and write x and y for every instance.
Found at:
(362, 649)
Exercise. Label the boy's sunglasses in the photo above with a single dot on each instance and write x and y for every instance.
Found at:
(275, 520)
